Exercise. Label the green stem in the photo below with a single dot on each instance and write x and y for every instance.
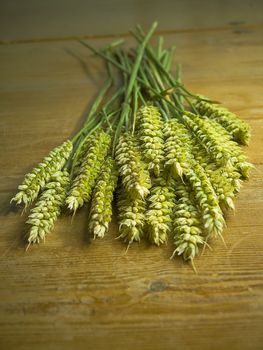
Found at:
(87, 131)
(99, 98)
(135, 107)
(93, 108)
(122, 68)
(141, 97)
(114, 44)
(138, 61)
(151, 55)
(165, 58)
(159, 87)
(160, 47)
(114, 63)
(132, 79)
(170, 58)
(140, 37)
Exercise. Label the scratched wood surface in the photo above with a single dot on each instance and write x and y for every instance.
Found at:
(76, 293)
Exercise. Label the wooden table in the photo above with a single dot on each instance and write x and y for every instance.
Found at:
(76, 293)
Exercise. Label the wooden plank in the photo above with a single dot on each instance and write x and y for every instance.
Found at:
(34, 20)
(72, 292)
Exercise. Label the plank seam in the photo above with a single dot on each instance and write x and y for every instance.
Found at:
(240, 29)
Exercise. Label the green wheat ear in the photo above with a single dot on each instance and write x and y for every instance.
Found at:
(35, 181)
(150, 134)
(226, 181)
(135, 177)
(131, 216)
(47, 209)
(187, 224)
(101, 205)
(179, 155)
(82, 185)
(159, 212)
(218, 143)
(178, 143)
(237, 128)
(207, 201)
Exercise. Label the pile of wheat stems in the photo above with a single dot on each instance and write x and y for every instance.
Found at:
(172, 158)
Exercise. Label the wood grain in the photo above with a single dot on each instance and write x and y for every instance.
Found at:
(76, 293)
(56, 19)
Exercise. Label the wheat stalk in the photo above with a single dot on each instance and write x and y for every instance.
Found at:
(83, 183)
